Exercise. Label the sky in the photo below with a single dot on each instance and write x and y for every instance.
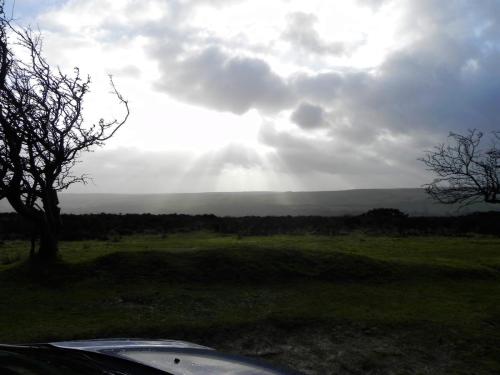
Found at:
(281, 95)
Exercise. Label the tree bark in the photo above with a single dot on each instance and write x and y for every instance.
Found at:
(47, 223)
(49, 243)
(50, 227)
(33, 244)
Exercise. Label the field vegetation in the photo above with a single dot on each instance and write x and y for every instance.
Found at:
(352, 303)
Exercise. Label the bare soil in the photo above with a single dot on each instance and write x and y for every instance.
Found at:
(343, 349)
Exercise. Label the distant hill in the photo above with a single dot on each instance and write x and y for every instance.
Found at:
(326, 203)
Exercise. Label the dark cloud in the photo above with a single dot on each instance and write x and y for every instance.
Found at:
(309, 116)
(320, 88)
(335, 156)
(217, 80)
(448, 79)
(435, 84)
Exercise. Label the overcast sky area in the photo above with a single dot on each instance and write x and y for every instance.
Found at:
(234, 95)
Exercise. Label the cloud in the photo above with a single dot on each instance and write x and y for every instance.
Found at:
(215, 79)
(445, 80)
(302, 35)
(216, 3)
(309, 116)
(436, 84)
(373, 4)
(439, 74)
(125, 71)
(132, 170)
(230, 156)
(321, 87)
(381, 120)
(336, 156)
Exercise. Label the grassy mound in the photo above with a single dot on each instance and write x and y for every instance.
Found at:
(243, 265)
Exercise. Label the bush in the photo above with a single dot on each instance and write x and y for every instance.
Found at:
(386, 213)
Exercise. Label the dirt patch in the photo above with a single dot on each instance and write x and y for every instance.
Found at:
(345, 349)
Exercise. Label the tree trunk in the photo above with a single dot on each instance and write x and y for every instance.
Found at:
(50, 227)
(47, 221)
(33, 244)
(49, 243)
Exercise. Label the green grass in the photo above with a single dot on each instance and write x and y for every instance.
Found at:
(188, 285)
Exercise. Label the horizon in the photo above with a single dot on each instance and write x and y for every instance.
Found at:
(249, 191)
(412, 201)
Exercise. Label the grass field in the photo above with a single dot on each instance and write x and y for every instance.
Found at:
(402, 305)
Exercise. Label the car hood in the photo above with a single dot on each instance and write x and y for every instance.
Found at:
(106, 344)
(176, 357)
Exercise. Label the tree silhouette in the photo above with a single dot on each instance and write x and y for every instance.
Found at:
(467, 170)
(42, 131)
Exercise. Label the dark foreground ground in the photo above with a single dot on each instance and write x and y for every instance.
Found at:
(352, 304)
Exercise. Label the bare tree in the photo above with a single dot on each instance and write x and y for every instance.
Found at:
(468, 171)
(42, 131)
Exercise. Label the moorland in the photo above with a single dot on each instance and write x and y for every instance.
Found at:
(348, 302)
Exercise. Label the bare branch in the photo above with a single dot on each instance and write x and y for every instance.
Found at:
(466, 173)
